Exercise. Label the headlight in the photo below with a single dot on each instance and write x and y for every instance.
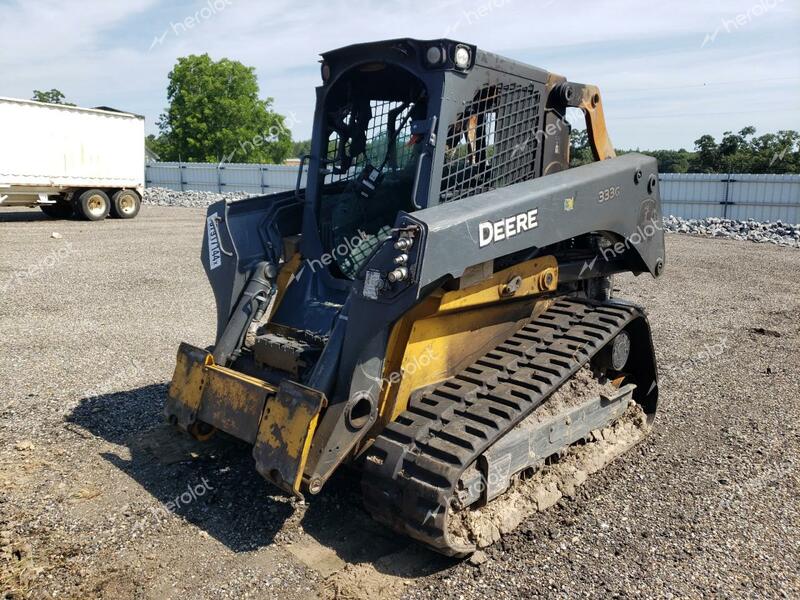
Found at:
(462, 57)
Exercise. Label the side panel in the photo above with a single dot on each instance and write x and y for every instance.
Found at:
(238, 236)
(51, 145)
(443, 334)
(603, 196)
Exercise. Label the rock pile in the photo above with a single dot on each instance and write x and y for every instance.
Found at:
(192, 199)
(782, 234)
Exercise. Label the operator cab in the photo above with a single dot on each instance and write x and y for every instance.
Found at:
(368, 168)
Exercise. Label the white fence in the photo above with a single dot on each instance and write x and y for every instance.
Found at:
(226, 177)
(735, 196)
(687, 195)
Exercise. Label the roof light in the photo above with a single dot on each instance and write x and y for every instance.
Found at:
(435, 56)
(462, 57)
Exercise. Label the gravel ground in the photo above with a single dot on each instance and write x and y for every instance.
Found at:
(99, 499)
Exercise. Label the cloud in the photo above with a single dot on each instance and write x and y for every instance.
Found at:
(49, 30)
(104, 53)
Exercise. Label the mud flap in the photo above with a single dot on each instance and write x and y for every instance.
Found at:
(284, 436)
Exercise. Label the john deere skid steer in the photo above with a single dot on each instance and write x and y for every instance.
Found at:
(434, 306)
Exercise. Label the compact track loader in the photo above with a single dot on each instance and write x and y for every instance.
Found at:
(434, 306)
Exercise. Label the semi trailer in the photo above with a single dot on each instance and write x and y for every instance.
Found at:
(71, 160)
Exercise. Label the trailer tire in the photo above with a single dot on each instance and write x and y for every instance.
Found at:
(125, 204)
(93, 205)
(60, 210)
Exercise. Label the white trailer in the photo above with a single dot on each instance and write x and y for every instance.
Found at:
(67, 159)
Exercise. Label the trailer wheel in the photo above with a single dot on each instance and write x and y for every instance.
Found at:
(93, 205)
(125, 204)
(59, 210)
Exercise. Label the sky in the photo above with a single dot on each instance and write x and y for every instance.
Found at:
(669, 71)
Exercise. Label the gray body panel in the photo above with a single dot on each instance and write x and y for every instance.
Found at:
(567, 204)
(452, 241)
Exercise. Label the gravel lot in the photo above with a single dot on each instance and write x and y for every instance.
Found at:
(91, 320)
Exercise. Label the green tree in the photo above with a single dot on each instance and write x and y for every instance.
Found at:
(740, 152)
(215, 114)
(53, 96)
(157, 144)
(706, 156)
(580, 152)
(735, 152)
(300, 149)
(776, 152)
(671, 161)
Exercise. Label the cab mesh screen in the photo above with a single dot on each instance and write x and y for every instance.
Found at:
(384, 116)
(493, 142)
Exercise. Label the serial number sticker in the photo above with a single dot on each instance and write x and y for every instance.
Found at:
(214, 250)
(373, 282)
(609, 194)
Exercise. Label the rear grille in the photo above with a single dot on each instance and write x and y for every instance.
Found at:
(493, 142)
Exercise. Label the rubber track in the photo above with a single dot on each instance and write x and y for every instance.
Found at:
(412, 470)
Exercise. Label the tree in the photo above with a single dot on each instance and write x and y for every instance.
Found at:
(671, 161)
(580, 152)
(706, 157)
(300, 149)
(740, 152)
(776, 152)
(54, 96)
(157, 144)
(215, 114)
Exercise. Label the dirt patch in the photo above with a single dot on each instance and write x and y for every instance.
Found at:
(365, 561)
(486, 525)
(583, 386)
(384, 579)
(314, 555)
(18, 570)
